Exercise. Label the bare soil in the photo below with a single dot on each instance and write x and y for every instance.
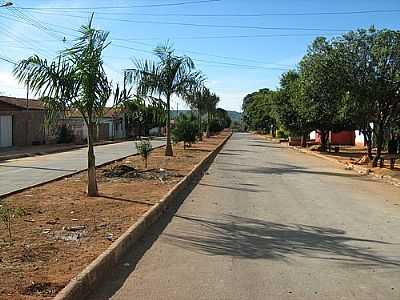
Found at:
(62, 230)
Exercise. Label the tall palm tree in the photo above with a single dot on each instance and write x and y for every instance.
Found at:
(76, 81)
(170, 75)
(196, 99)
(211, 106)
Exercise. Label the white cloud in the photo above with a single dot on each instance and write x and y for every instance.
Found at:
(9, 86)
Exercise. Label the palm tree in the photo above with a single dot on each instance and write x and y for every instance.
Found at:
(76, 81)
(210, 106)
(171, 75)
(196, 99)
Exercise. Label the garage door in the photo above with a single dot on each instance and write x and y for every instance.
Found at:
(5, 131)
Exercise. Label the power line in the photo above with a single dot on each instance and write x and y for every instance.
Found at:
(191, 37)
(209, 25)
(206, 61)
(225, 37)
(122, 7)
(220, 56)
(222, 26)
(266, 14)
(360, 12)
(7, 60)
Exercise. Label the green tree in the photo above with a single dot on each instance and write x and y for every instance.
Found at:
(211, 102)
(258, 111)
(170, 75)
(196, 98)
(371, 60)
(185, 130)
(76, 80)
(289, 109)
(321, 91)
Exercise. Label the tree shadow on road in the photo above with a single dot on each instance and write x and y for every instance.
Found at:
(238, 188)
(288, 169)
(258, 239)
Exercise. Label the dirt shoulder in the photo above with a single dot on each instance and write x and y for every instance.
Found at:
(62, 230)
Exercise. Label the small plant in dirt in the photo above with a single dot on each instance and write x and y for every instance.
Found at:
(8, 215)
(185, 131)
(144, 148)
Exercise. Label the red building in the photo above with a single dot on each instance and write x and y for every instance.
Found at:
(347, 138)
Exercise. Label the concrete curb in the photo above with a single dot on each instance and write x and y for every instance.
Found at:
(81, 286)
(68, 175)
(360, 169)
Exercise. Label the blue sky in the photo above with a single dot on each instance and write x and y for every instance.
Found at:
(235, 60)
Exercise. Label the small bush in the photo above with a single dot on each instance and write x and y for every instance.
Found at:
(144, 148)
(185, 131)
(281, 134)
(7, 215)
(215, 126)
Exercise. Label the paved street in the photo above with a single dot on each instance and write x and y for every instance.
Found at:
(270, 223)
(20, 173)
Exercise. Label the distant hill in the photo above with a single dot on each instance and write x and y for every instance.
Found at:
(235, 116)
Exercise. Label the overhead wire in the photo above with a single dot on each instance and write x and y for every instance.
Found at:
(124, 6)
(217, 56)
(203, 60)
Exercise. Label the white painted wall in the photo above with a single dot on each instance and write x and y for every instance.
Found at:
(360, 141)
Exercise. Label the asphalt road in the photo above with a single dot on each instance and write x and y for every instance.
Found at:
(21, 173)
(270, 223)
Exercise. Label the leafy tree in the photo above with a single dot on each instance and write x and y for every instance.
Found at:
(288, 106)
(144, 115)
(258, 111)
(371, 60)
(170, 75)
(321, 91)
(76, 81)
(223, 118)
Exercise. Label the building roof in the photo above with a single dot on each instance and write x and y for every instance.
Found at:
(109, 112)
(23, 103)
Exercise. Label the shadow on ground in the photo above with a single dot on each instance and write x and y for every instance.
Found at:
(257, 239)
(113, 282)
(283, 169)
(238, 188)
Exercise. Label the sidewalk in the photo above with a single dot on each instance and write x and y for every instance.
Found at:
(29, 151)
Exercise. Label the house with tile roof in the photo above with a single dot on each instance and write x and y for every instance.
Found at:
(21, 122)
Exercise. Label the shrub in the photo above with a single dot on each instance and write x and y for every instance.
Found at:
(216, 126)
(7, 215)
(144, 148)
(281, 134)
(186, 130)
(65, 135)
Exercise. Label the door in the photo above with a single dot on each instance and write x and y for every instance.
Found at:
(5, 131)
